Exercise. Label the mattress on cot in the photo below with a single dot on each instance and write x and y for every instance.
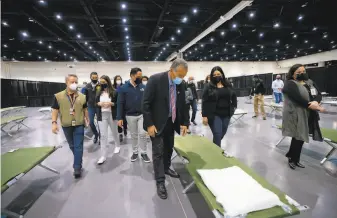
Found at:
(21, 161)
(6, 120)
(329, 134)
(203, 154)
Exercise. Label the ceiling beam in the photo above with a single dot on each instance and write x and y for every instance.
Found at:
(96, 27)
(165, 7)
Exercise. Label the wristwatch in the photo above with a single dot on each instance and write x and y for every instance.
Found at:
(54, 122)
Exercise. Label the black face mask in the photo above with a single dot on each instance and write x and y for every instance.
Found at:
(216, 79)
(138, 81)
(302, 77)
(104, 86)
(94, 81)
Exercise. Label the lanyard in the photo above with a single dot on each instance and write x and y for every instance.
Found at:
(72, 102)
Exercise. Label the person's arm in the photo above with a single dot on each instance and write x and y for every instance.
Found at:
(204, 100)
(291, 90)
(318, 97)
(120, 104)
(273, 86)
(234, 99)
(263, 89)
(55, 110)
(148, 97)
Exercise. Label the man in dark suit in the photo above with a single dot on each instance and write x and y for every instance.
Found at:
(164, 113)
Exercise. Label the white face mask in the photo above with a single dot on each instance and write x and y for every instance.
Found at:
(73, 87)
(118, 82)
(144, 83)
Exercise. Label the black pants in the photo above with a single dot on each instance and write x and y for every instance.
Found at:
(187, 112)
(162, 149)
(295, 149)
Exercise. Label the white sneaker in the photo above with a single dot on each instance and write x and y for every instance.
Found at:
(101, 160)
(117, 149)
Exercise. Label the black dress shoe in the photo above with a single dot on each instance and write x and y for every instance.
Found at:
(300, 165)
(77, 173)
(292, 165)
(161, 190)
(95, 139)
(172, 173)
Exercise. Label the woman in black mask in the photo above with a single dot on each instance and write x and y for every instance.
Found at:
(218, 104)
(300, 112)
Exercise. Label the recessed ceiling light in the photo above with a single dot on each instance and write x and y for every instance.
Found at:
(184, 20)
(276, 50)
(90, 47)
(212, 39)
(201, 45)
(223, 33)
(71, 27)
(127, 37)
(4, 23)
(298, 51)
(126, 29)
(94, 52)
(58, 51)
(262, 46)
(79, 36)
(49, 46)
(124, 20)
(312, 46)
(234, 25)
(42, 2)
(300, 17)
(58, 16)
(325, 36)
(196, 49)
(29, 54)
(251, 14)
(128, 48)
(178, 31)
(276, 25)
(167, 45)
(190, 52)
(195, 11)
(40, 42)
(278, 41)
(233, 46)
(39, 57)
(314, 29)
(64, 54)
(123, 6)
(332, 42)
(306, 41)
(225, 49)
(164, 48)
(252, 49)
(24, 34)
(320, 50)
(5, 45)
(172, 38)
(234, 55)
(127, 43)
(294, 36)
(261, 34)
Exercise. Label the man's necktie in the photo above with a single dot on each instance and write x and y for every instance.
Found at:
(173, 103)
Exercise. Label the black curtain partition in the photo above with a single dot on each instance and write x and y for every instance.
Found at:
(325, 78)
(28, 93)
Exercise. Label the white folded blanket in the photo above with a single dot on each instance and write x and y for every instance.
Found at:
(237, 192)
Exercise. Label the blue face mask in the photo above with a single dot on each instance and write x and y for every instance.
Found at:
(177, 80)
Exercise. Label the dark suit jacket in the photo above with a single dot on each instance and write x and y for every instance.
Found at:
(155, 105)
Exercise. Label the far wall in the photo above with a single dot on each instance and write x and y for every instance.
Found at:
(56, 71)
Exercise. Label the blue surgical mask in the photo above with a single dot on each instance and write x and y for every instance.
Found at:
(177, 80)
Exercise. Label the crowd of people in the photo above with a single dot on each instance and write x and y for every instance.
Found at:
(159, 106)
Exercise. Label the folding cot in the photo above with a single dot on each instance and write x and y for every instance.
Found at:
(16, 120)
(238, 114)
(8, 110)
(16, 163)
(329, 137)
(274, 106)
(46, 111)
(200, 153)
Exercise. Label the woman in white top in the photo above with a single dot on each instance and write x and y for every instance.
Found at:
(106, 98)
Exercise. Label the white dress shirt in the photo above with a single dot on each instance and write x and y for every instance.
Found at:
(277, 85)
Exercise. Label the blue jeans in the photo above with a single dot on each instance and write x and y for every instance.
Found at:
(92, 112)
(75, 137)
(278, 97)
(194, 109)
(219, 126)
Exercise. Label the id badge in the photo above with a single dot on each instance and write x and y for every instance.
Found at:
(313, 91)
(71, 111)
(73, 123)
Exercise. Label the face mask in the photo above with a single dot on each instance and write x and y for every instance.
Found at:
(104, 86)
(94, 81)
(191, 81)
(177, 80)
(278, 78)
(119, 82)
(73, 87)
(138, 81)
(302, 77)
(144, 83)
(217, 79)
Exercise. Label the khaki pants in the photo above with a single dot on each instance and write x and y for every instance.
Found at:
(259, 100)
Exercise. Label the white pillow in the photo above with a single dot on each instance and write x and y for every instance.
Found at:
(238, 192)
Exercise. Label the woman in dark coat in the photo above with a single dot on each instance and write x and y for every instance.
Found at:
(118, 83)
(106, 101)
(300, 112)
(218, 104)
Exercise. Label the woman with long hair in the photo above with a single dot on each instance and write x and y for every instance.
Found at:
(300, 112)
(218, 104)
(106, 100)
(118, 82)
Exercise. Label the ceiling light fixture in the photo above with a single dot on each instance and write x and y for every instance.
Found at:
(40, 42)
(126, 29)
(172, 38)
(124, 20)
(127, 37)
(300, 17)
(71, 27)
(325, 36)
(39, 57)
(195, 11)
(79, 36)
(5, 45)
(233, 46)
(24, 34)
(58, 51)
(49, 46)
(90, 47)
(276, 25)
(178, 31)
(251, 14)
(278, 41)
(184, 20)
(201, 45)
(58, 17)
(4, 23)
(261, 34)
(314, 29)
(42, 2)
(123, 6)
(294, 36)
(167, 45)
(29, 54)
(85, 43)
(234, 25)
(306, 41)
